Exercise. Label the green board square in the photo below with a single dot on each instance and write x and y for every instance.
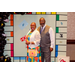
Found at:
(57, 17)
(57, 29)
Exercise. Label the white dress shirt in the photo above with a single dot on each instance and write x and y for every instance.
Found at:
(51, 32)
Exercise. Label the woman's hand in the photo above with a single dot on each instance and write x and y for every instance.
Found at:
(28, 43)
(32, 43)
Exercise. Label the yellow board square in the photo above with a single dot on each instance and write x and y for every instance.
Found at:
(53, 12)
(43, 12)
(38, 12)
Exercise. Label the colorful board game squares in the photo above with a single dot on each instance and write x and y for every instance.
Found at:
(11, 16)
(56, 48)
(61, 42)
(53, 13)
(57, 29)
(43, 12)
(62, 48)
(61, 17)
(52, 59)
(61, 35)
(11, 23)
(48, 12)
(57, 17)
(29, 13)
(7, 33)
(9, 39)
(65, 13)
(8, 28)
(12, 54)
(7, 47)
(23, 59)
(56, 54)
(61, 29)
(38, 13)
(11, 34)
(33, 12)
(16, 59)
(62, 53)
(12, 59)
(7, 53)
(62, 23)
(11, 46)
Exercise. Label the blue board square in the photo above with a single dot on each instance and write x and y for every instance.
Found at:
(23, 58)
(23, 24)
(56, 48)
(16, 58)
(56, 54)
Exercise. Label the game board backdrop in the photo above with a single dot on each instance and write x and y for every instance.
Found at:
(19, 25)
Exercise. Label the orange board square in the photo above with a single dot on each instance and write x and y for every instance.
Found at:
(11, 23)
(11, 34)
(11, 17)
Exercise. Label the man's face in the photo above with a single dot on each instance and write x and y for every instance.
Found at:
(42, 22)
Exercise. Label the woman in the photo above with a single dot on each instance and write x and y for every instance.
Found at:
(33, 42)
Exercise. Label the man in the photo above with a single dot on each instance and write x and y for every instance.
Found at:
(47, 40)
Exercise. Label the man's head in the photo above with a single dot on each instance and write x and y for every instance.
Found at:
(33, 26)
(42, 21)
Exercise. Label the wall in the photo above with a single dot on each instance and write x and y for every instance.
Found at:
(70, 35)
(71, 26)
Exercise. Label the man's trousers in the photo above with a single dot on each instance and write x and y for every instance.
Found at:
(45, 55)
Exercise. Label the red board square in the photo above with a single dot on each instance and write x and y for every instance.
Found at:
(29, 13)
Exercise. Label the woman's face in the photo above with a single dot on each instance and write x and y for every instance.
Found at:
(33, 26)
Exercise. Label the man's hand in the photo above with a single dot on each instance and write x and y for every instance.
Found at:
(28, 43)
(51, 49)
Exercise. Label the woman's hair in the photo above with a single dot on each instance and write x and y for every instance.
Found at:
(33, 23)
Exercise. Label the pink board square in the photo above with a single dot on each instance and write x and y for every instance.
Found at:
(12, 54)
(11, 46)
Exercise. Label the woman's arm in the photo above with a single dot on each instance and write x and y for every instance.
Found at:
(37, 38)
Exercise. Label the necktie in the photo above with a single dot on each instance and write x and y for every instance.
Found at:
(41, 29)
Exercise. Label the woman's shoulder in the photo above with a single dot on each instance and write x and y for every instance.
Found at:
(37, 31)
